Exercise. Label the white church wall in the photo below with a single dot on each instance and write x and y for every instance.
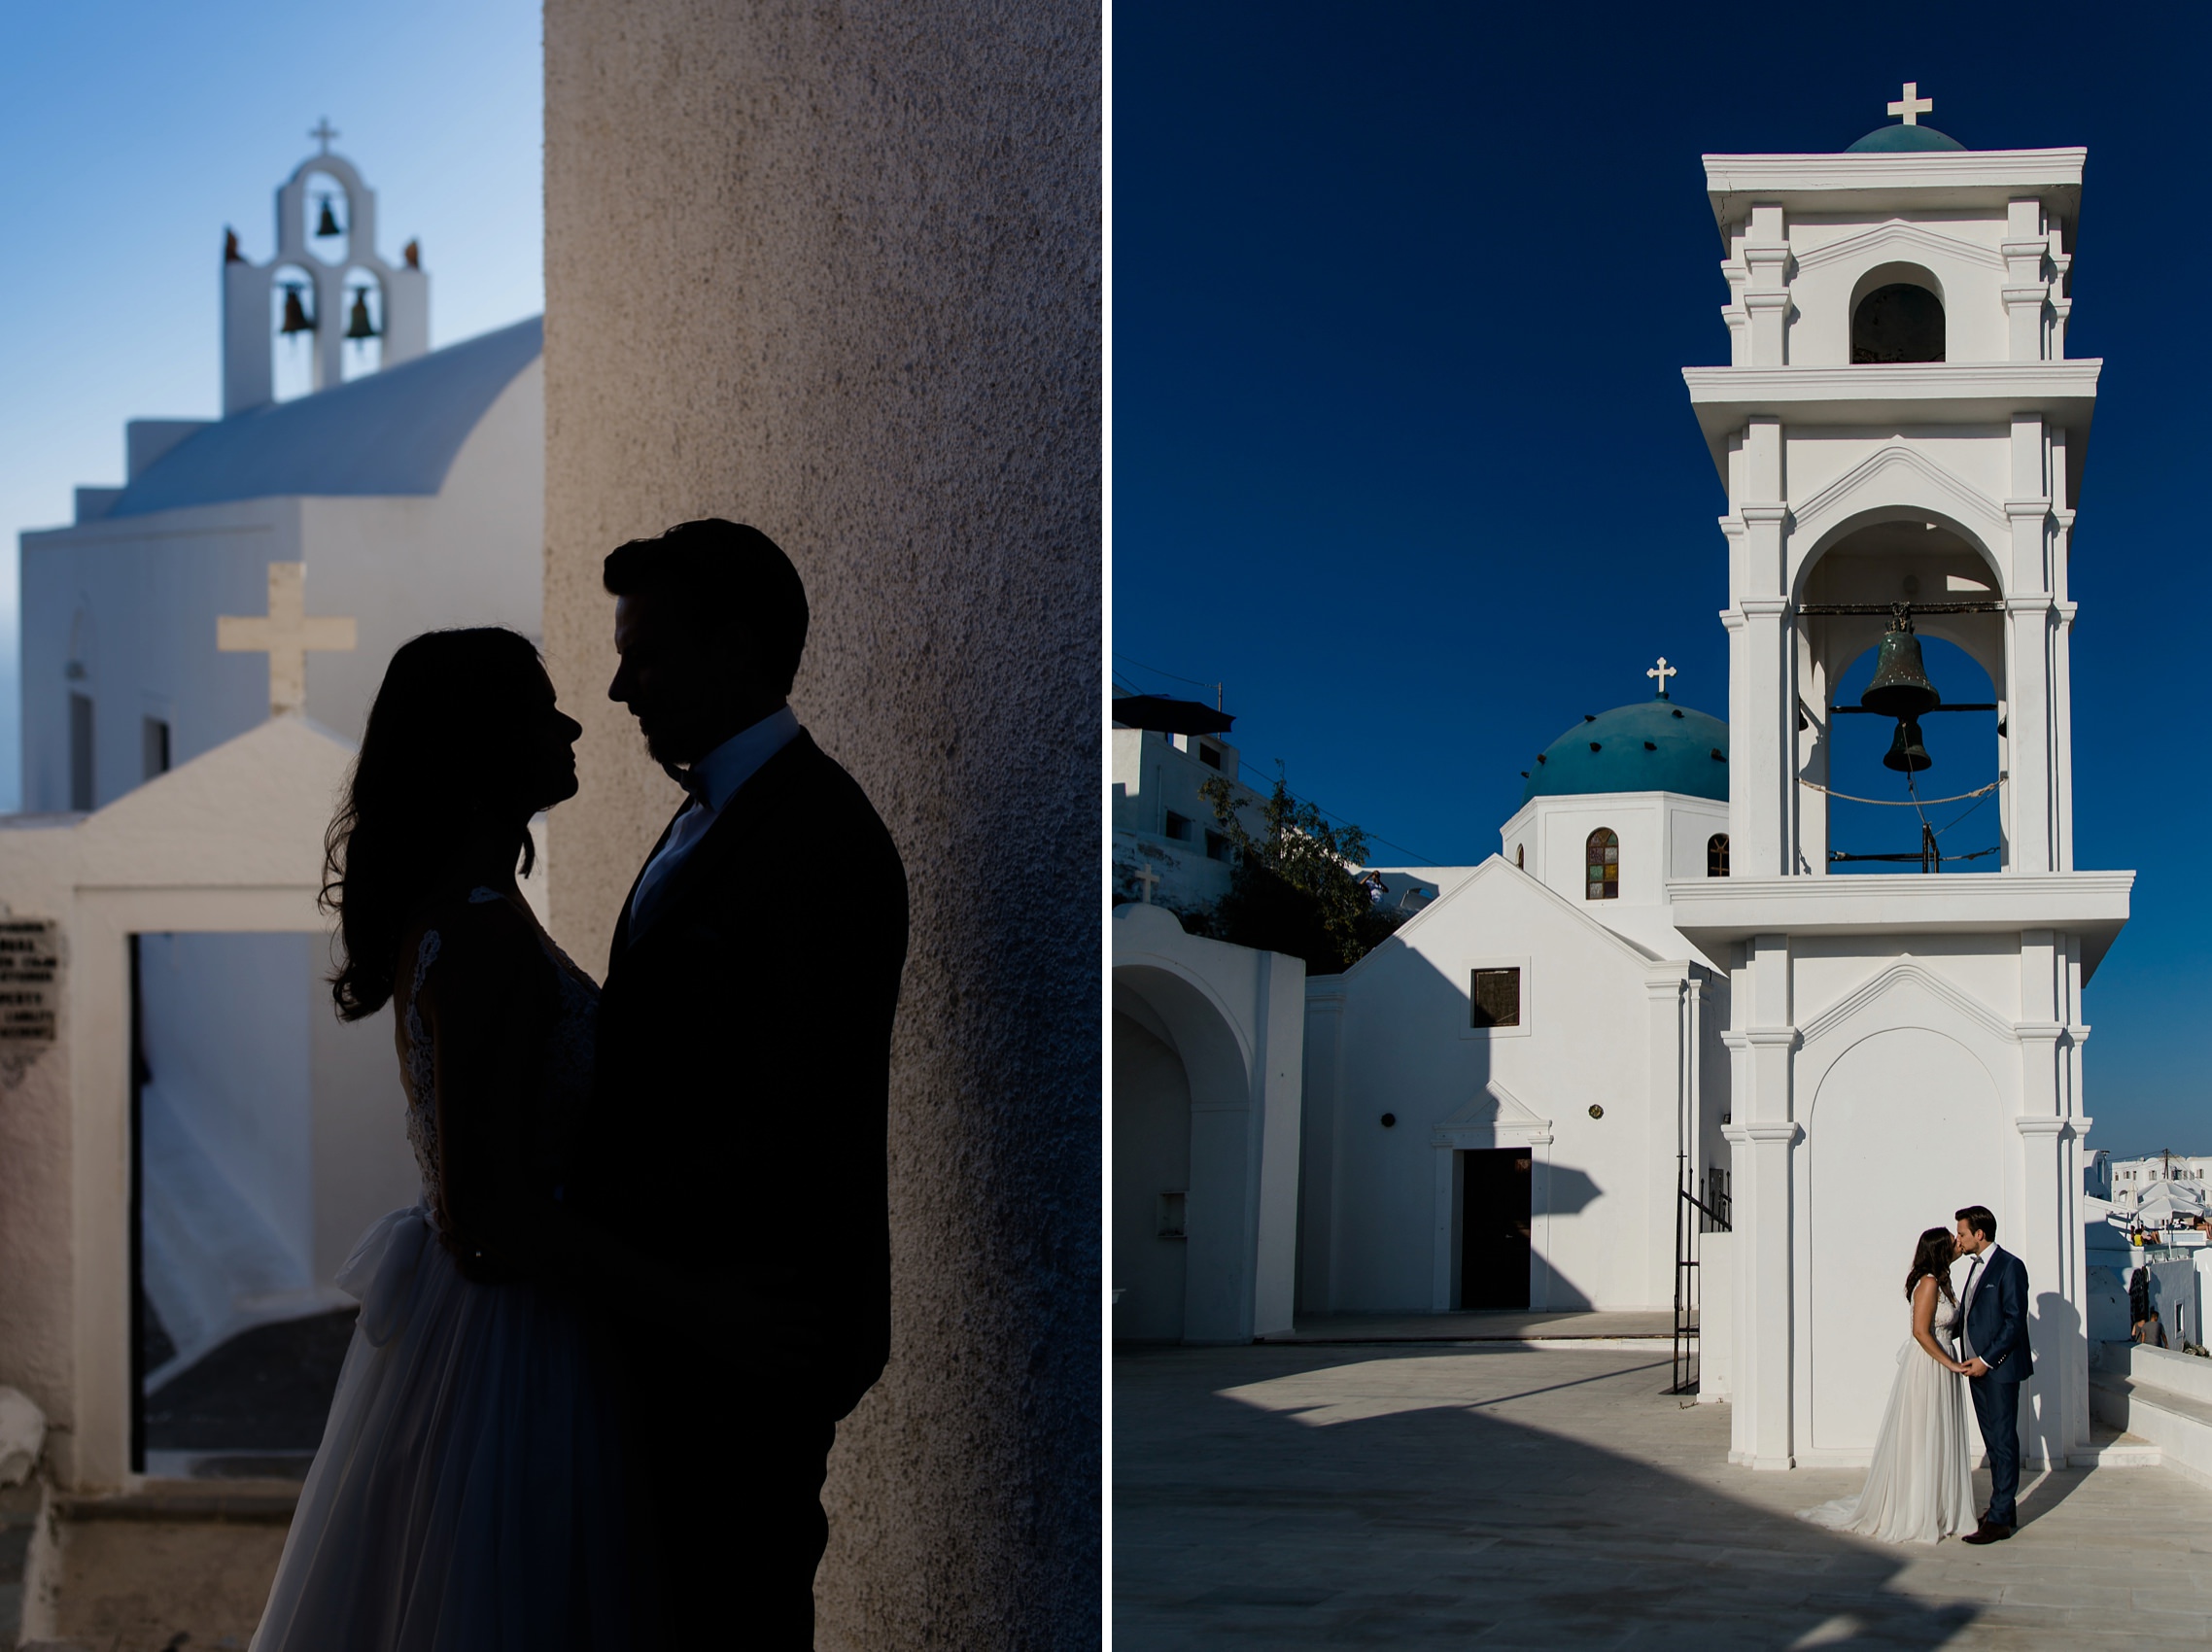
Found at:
(135, 601)
(132, 604)
(1835, 256)
(1816, 457)
(1404, 1046)
(1827, 968)
(471, 554)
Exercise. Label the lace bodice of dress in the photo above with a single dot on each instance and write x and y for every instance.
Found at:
(1945, 1325)
(565, 1080)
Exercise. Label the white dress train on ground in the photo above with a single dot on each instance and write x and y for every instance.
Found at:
(466, 1496)
(1918, 1488)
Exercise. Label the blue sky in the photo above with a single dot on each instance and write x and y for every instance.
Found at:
(1403, 455)
(130, 134)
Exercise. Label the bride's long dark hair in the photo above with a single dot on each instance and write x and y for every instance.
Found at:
(1937, 1249)
(440, 754)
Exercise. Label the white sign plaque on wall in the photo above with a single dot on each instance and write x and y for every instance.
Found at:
(30, 992)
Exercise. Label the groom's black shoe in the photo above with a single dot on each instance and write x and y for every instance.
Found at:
(1988, 1534)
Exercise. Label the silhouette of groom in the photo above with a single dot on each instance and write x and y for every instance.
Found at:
(737, 1142)
(1998, 1360)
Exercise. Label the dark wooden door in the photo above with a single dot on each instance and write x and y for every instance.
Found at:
(1494, 1228)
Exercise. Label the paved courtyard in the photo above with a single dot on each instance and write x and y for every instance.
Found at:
(1495, 1496)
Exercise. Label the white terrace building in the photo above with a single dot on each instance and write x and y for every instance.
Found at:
(2134, 1179)
(1168, 845)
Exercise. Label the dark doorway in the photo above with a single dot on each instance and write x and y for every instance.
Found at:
(1494, 1228)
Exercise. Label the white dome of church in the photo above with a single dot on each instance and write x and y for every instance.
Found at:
(394, 431)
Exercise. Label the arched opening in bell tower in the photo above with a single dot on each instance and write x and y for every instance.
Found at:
(362, 326)
(295, 315)
(1897, 316)
(1905, 778)
(327, 229)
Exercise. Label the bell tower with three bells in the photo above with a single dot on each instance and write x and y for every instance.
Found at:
(337, 290)
(1901, 434)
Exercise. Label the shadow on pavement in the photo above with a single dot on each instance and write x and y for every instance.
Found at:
(1271, 1497)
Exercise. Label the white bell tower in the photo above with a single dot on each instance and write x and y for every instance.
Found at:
(1902, 436)
(330, 282)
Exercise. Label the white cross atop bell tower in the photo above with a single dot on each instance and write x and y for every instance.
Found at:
(1901, 434)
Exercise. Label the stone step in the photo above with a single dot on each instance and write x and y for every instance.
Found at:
(2179, 1424)
(2111, 1448)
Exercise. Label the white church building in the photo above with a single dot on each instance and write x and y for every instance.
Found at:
(1503, 1099)
(230, 609)
(1671, 984)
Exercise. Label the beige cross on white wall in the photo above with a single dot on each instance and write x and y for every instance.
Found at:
(285, 634)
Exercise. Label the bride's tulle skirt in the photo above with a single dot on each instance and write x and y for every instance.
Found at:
(1918, 1488)
(467, 1495)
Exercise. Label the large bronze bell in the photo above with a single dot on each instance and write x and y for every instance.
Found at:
(328, 225)
(357, 325)
(296, 316)
(1900, 686)
(1907, 754)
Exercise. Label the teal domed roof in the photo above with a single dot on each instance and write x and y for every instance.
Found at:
(1657, 746)
(1900, 138)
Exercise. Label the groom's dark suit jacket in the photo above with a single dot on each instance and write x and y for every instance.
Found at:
(737, 1138)
(1996, 1318)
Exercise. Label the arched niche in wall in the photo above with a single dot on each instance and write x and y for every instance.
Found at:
(1906, 1127)
(1897, 316)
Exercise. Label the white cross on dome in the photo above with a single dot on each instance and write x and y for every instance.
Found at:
(1663, 671)
(1912, 106)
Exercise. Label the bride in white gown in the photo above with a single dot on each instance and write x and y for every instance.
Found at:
(1918, 1488)
(468, 1496)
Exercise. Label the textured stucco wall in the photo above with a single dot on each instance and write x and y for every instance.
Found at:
(834, 271)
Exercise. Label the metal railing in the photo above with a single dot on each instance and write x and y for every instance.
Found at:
(1693, 1216)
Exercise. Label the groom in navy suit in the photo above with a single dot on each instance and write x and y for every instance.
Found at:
(1998, 1360)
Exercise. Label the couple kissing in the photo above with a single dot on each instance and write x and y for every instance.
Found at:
(1918, 1488)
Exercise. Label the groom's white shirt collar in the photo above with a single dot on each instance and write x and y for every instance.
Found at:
(714, 778)
(712, 781)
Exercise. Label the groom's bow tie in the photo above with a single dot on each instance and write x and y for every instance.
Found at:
(692, 781)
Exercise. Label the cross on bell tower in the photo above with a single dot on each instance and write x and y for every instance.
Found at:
(287, 635)
(1912, 106)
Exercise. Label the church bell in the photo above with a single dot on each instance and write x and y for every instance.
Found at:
(296, 316)
(328, 225)
(1900, 686)
(357, 325)
(1907, 754)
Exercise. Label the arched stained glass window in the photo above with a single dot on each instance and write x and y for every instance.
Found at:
(1716, 855)
(1604, 861)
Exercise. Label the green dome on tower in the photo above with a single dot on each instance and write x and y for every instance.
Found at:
(1657, 746)
(1901, 139)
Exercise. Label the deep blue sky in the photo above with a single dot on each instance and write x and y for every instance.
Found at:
(1403, 455)
(131, 133)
